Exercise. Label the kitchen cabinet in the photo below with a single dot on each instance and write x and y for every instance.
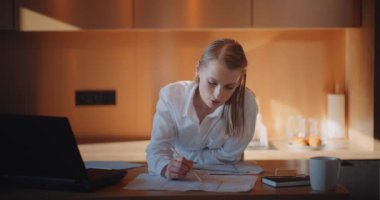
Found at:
(71, 15)
(306, 13)
(246, 13)
(6, 15)
(192, 14)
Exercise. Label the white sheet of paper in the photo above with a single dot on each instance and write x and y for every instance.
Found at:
(110, 165)
(238, 168)
(211, 183)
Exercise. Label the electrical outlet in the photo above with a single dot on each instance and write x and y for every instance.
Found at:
(95, 97)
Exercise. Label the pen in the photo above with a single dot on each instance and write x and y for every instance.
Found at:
(195, 174)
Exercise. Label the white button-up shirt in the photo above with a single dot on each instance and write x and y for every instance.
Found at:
(176, 124)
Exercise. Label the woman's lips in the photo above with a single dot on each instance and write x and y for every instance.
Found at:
(214, 102)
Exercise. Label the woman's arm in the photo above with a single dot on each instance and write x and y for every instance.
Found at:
(158, 151)
(230, 152)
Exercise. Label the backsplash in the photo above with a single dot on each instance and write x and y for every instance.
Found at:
(290, 70)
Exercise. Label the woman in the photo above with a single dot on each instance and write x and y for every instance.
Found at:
(207, 121)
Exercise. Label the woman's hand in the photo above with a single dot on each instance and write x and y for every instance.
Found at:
(177, 168)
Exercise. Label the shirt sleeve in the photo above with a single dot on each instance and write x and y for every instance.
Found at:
(233, 148)
(158, 152)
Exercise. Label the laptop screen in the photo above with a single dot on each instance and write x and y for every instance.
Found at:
(39, 146)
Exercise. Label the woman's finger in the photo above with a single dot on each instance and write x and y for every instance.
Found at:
(178, 167)
(185, 162)
(173, 175)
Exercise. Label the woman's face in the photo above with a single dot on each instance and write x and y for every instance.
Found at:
(217, 83)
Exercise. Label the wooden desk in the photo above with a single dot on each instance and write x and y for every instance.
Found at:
(259, 191)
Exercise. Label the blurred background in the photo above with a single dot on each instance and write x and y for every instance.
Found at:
(298, 51)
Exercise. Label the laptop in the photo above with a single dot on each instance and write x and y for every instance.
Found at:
(41, 152)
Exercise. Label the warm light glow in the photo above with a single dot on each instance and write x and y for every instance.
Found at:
(360, 140)
(334, 129)
(193, 20)
(32, 21)
(281, 112)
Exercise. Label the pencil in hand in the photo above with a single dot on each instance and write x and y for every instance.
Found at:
(194, 173)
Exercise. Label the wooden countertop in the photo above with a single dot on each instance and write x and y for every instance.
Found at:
(134, 151)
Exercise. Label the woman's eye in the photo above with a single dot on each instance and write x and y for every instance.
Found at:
(212, 83)
(229, 88)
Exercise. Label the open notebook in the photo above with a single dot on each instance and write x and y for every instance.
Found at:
(41, 152)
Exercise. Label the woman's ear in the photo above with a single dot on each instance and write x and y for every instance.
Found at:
(197, 72)
(197, 69)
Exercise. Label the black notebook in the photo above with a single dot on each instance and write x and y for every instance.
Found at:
(41, 152)
(286, 181)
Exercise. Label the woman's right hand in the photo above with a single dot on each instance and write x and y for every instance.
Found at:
(177, 168)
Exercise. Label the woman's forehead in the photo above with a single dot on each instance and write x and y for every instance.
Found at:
(219, 72)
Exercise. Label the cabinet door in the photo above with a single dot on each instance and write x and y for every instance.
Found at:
(68, 15)
(6, 15)
(306, 13)
(192, 14)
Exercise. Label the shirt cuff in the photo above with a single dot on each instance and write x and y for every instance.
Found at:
(158, 168)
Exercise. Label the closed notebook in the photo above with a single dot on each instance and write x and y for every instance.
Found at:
(286, 181)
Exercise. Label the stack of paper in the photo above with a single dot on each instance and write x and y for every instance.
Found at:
(215, 178)
(211, 183)
(238, 168)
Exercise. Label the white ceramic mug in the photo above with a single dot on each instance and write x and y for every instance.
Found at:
(324, 173)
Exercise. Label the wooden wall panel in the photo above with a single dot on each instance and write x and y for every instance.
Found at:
(359, 80)
(306, 13)
(291, 71)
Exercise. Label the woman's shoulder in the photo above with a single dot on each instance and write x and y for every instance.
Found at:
(177, 89)
(250, 99)
(249, 94)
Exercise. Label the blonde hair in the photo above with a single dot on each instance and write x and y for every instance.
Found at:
(231, 53)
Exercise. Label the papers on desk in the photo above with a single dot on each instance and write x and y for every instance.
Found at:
(210, 183)
(110, 165)
(238, 168)
(215, 178)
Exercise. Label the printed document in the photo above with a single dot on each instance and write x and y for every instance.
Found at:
(236, 168)
(210, 183)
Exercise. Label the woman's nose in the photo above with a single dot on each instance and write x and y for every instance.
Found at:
(217, 93)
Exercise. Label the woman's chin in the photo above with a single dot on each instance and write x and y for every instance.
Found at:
(214, 106)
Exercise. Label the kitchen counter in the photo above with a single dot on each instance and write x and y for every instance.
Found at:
(279, 149)
(134, 151)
